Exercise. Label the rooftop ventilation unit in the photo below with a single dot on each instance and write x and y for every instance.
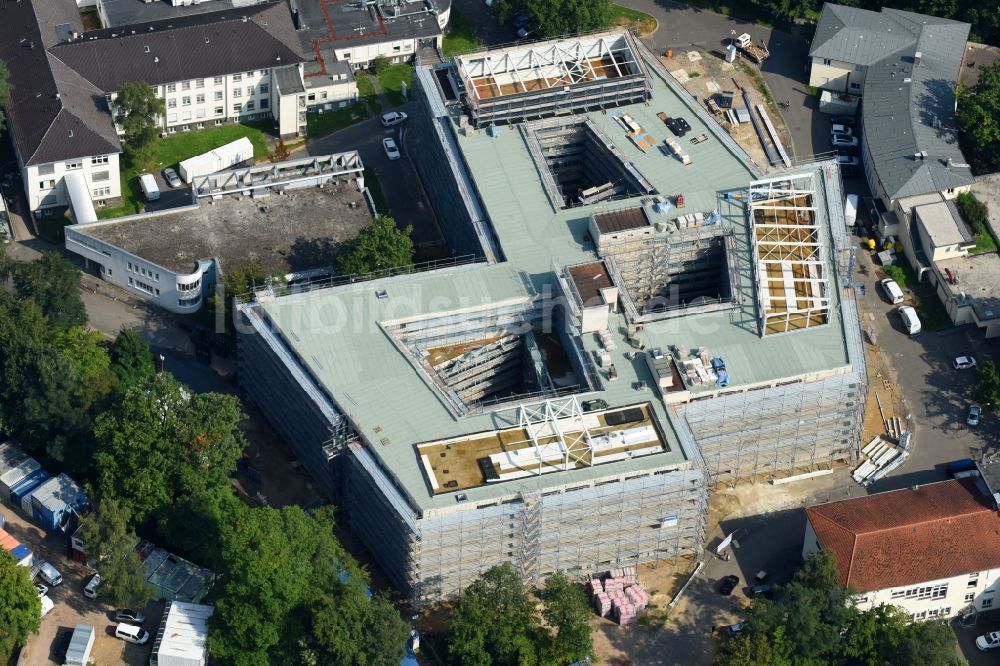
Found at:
(917, 57)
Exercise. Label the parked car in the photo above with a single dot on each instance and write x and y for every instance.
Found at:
(49, 574)
(47, 604)
(760, 590)
(520, 21)
(892, 291)
(848, 161)
(63, 638)
(131, 634)
(729, 584)
(975, 411)
(393, 118)
(525, 32)
(842, 140)
(964, 362)
(989, 641)
(391, 150)
(173, 180)
(850, 121)
(734, 629)
(42, 589)
(678, 126)
(90, 589)
(911, 322)
(129, 616)
(837, 128)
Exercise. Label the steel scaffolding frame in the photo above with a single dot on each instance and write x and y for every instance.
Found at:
(542, 420)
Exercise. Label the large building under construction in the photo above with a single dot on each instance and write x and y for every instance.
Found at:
(650, 316)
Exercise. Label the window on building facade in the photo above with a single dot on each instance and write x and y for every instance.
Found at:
(265, 103)
(973, 579)
(199, 83)
(219, 110)
(99, 159)
(143, 286)
(102, 191)
(236, 108)
(217, 96)
(171, 87)
(249, 73)
(185, 101)
(859, 68)
(264, 88)
(217, 80)
(171, 103)
(855, 86)
(46, 184)
(76, 164)
(237, 77)
(970, 596)
(826, 61)
(101, 176)
(185, 85)
(986, 603)
(251, 106)
(46, 169)
(927, 592)
(199, 99)
(237, 92)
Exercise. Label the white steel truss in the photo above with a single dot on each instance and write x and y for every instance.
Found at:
(561, 419)
(793, 290)
(552, 65)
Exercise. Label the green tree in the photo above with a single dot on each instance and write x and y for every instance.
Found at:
(380, 64)
(131, 359)
(756, 649)
(162, 442)
(111, 546)
(20, 608)
(978, 116)
(137, 112)
(379, 248)
(986, 387)
(6, 88)
(276, 561)
(495, 622)
(554, 18)
(349, 629)
(54, 284)
(567, 611)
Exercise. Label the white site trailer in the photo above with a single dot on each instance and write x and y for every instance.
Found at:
(80, 645)
(217, 159)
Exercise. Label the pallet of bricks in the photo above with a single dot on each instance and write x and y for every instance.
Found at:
(618, 594)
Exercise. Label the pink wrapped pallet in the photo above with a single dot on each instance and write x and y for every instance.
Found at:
(596, 585)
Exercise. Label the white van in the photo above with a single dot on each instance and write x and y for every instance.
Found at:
(910, 320)
(131, 634)
(90, 590)
(892, 291)
(49, 574)
(851, 210)
(149, 187)
(47, 605)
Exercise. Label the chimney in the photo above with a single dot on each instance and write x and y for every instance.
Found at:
(917, 57)
(70, 132)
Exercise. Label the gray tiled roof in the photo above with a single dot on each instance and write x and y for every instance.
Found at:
(220, 43)
(858, 36)
(902, 118)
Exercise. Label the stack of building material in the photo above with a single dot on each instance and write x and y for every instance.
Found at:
(619, 594)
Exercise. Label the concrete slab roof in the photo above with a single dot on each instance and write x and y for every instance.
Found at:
(338, 333)
(978, 282)
(942, 224)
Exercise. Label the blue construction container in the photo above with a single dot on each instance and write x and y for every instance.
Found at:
(54, 502)
(25, 486)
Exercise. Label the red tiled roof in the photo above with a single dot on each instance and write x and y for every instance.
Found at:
(905, 537)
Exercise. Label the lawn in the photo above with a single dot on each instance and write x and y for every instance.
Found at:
(371, 182)
(626, 17)
(392, 79)
(321, 124)
(176, 148)
(460, 36)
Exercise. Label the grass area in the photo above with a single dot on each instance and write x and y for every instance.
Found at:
(460, 36)
(321, 124)
(392, 79)
(176, 148)
(366, 87)
(371, 182)
(975, 213)
(626, 17)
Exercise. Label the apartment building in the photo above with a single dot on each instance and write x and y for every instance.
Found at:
(933, 550)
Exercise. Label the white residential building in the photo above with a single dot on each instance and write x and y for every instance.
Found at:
(933, 550)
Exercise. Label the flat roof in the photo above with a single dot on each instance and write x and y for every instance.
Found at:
(184, 632)
(978, 282)
(281, 233)
(328, 25)
(130, 12)
(590, 279)
(621, 220)
(375, 383)
(941, 222)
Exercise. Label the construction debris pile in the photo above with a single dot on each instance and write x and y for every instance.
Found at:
(619, 595)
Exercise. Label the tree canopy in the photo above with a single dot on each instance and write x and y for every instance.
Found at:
(379, 247)
(131, 359)
(163, 441)
(554, 18)
(111, 546)
(137, 112)
(20, 608)
(812, 620)
(987, 384)
(496, 622)
(978, 117)
(54, 284)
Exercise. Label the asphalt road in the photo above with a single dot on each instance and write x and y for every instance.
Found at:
(403, 192)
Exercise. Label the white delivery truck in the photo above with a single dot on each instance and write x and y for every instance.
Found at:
(149, 188)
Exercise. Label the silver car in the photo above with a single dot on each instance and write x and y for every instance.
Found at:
(393, 118)
(173, 180)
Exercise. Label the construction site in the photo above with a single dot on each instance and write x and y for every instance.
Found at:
(644, 323)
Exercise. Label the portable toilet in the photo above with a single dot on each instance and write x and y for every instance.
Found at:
(54, 502)
(80, 645)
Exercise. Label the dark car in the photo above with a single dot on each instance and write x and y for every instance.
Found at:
(760, 590)
(63, 639)
(728, 584)
(678, 126)
(129, 616)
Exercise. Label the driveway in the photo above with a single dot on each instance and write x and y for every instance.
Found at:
(683, 27)
(967, 639)
(403, 192)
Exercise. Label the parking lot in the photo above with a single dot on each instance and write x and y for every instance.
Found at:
(71, 607)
